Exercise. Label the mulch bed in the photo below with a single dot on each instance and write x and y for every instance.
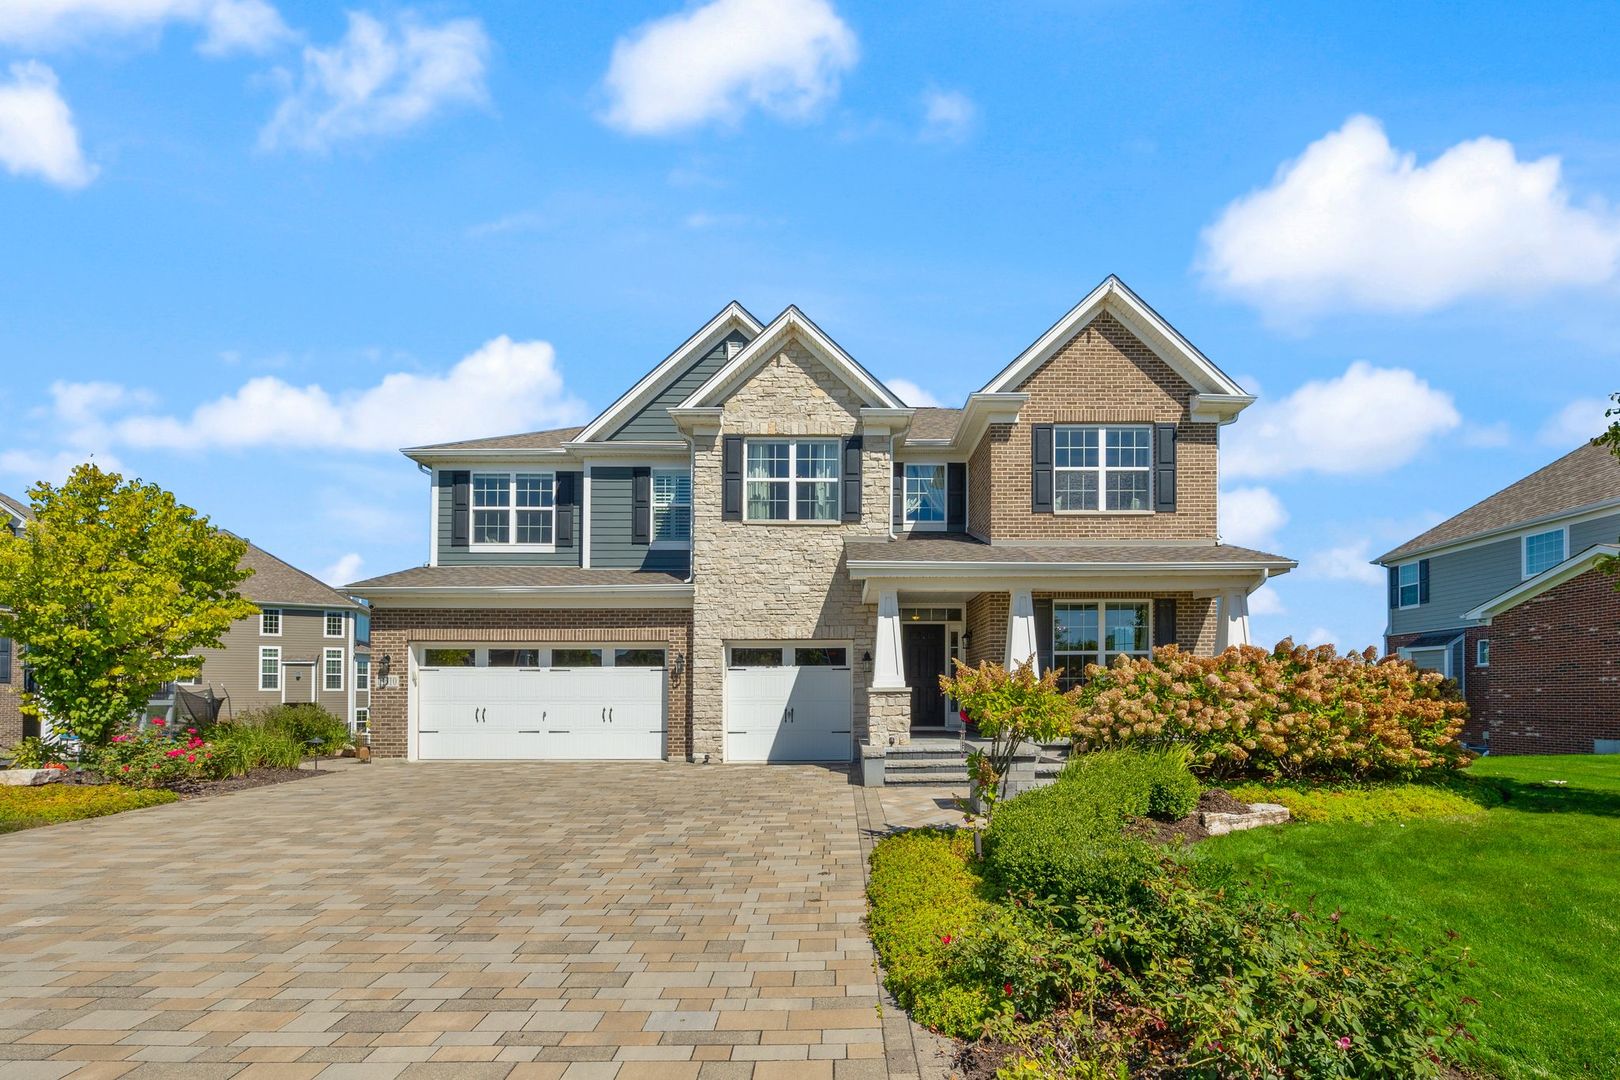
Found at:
(1188, 830)
(191, 789)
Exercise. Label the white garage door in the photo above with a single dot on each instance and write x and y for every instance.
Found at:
(479, 704)
(789, 701)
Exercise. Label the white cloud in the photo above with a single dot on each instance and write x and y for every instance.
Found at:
(227, 25)
(1345, 562)
(344, 570)
(912, 394)
(1576, 423)
(1265, 601)
(948, 115)
(1354, 223)
(714, 62)
(1487, 436)
(37, 136)
(1368, 420)
(32, 465)
(505, 386)
(381, 79)
(1250, 517)
(1321, 635)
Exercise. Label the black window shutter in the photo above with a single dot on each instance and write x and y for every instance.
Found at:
(1423, 581)
(1164, 622)
(1040, 484)
(1164, 468)
(564, 499)
(899, 513)
(956, 496)
(852, 478)
(460, 508)
(731, 477)
(641, 505)
(1043, 636)
(1394, 587)
(5, 660)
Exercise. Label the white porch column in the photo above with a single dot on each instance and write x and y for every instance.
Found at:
(1233, 625)
(1021, 645)
(888, 665)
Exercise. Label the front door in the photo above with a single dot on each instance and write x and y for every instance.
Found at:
(924, 649)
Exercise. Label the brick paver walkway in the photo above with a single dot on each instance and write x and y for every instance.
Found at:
(462, 920)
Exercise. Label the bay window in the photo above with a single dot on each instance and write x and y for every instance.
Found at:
(791, 480)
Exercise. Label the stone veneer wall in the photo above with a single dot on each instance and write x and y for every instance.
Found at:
(395, 630)
(773, 582)
(1102, 363)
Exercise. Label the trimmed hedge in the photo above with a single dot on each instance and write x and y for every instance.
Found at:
(1064, 842)
(1139, 783)
(49, 804)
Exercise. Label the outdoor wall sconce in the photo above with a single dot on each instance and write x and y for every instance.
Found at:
(866, 658)
(967, 637)
(678, 666)
(383, 664)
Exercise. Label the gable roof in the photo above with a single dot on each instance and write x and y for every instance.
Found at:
(1114, 296)
(529, 440)
(731, 317)
(14, 508)
(1548, 579)
(793, 322)
(1583, 479)
(277, 582)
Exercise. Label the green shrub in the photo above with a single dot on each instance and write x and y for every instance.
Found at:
(239, 748)
(26, 807)
(1367, 804)
(36, 753)
(301, 723)
(1290, 713)
(924, 900)
(149, 757)
(1064, 841)
(1139, 783)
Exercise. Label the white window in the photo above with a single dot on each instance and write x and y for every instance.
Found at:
(1101, 468)
(792, 480)
(362, 719)
(269, 667)
(270, 623)
(1482, 652)
(1409, 587)
(332, 669)
(924, 496)
(192, 678)
(1543, 551)
(1094, 633)
(517, 509)
(334, 624)
(671, 507)
(362, 673)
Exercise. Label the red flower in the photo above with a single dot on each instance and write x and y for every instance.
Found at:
(174, 753)
(157, 721)
(945, 939)
(191, 731)
(1006, 988)
(191, 758)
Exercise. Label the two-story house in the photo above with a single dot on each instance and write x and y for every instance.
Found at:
(760, 553)
(13, 724)
(1509, 599)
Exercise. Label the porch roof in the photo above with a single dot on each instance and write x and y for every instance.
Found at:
(961, 551)
(557, 586)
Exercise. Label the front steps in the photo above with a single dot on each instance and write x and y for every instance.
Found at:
(942, 761)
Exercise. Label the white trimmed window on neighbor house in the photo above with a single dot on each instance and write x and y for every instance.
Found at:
(332, 670)
(270, 622)
(1409, 585)
(270, 667)
(362, 674)
(333, 624)
(1543, 551)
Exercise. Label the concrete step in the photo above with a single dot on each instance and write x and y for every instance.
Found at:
(938, 778)
(923, 764)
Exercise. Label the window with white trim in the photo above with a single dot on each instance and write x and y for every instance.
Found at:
(362, 673)
(332, 670)
(362, 719)
(1543, 551)
(1408, 585)
(270, 667)
(1482, 652)
(270, 622)
(515, 509)
(791, 480)
(924, 495)
(671, 507)
(334, 624)
(1094, 633)
(1101, 468)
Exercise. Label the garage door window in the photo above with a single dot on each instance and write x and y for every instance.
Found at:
(576, 658)
(638, 658)
(820, 656)
(450, 658)
(747, 656)
(514, 658)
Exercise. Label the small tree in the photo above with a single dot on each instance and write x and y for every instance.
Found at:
(1611, 439)
(110, 588)
(1011, 708)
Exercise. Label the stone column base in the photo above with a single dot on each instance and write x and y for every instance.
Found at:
(888, 715)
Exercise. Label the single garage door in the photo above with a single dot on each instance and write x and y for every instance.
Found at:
(789, 701)
(596, 703)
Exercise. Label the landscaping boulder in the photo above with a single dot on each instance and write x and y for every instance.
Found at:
(1220, 823)
(30, 777)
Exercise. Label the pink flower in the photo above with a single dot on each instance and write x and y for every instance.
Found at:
(157, 721)
(191, 731)
(174, 753)
(120, 738)
(191, 758)
(1342, 1042)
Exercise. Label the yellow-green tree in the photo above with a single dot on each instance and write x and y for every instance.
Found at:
(1611, 439)
(110, 588)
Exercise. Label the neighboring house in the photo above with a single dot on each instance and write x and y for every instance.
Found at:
(13, 724)
(760, 553)
(1508, 599)
(308, 643)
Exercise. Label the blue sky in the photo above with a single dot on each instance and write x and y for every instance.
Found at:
(253, 246)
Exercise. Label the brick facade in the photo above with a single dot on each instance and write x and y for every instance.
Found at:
(11, 717)
(1197, 620)
(395, 630)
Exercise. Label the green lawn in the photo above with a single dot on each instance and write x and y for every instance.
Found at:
(50, 804)
(1532, 887)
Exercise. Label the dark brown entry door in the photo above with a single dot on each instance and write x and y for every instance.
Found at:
(924, 649)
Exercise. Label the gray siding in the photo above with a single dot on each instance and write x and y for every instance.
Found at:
(610, 527)
(451, 555)
(652, 423)
(1604, 530)
(233, 671)
(1460, 581)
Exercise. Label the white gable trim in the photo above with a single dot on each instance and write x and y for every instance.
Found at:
(732, 316)
(793, 322)
(1547, 579)
(1115, 297)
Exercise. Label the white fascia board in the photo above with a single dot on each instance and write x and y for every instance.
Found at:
(886, 421)
(732, 316)
(1246, 579)
(1218, 408)
(518, 456)
(1548, 579)
(533, 596)
(1573, 516)
(1120, 301)
(861, 569)
(795, 322)
(701, 421)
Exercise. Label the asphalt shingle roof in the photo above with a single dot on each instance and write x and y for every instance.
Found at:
(529, 440)
(958, 548)
(276, 582)
(934, 423)
(507, 577)
(20, 509)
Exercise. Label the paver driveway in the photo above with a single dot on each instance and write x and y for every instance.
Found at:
(469, 920)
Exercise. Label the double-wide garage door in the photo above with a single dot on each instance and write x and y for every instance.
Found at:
(583, 713)
(789, 701)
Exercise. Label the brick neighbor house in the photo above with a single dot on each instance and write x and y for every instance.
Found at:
(1510, 598)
